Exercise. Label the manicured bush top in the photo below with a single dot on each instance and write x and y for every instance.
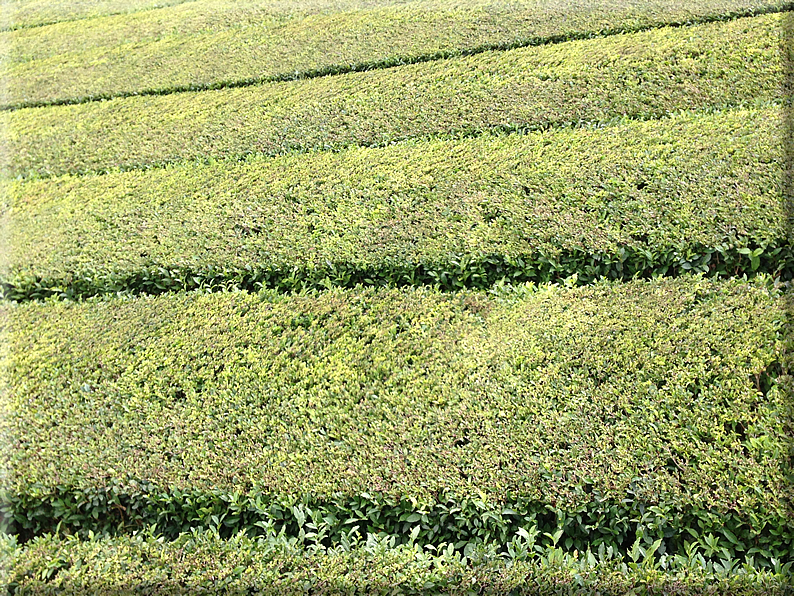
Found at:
(665, 386)
(643, 75)
(206, 44)
(22, 14)
(664, 197)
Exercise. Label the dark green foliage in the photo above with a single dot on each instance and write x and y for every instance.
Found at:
(643, 76)
(454, 273)
(761, 537)
(690, 193)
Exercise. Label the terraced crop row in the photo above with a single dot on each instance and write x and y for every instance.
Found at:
(691, 192)
(21, 14)
(408, 398)
(289, 428)
(644, 75)
(200, 45)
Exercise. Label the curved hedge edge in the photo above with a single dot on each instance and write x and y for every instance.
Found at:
(201, 561)
(457, 271)
(395, 61)
(628, 526)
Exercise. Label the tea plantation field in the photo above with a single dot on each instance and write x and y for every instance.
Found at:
(396, 297)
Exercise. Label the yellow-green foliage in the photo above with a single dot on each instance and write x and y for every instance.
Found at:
(665, 386)
(679, 184)
(195, 45)
(614, 438)
(643, 75)
(20, 14)
(202, 563)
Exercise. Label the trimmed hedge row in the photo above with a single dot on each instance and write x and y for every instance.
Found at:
(21, 14)
(200, 46)
(642, 76)
(667, 388)
(200, 562)
(689, 193)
